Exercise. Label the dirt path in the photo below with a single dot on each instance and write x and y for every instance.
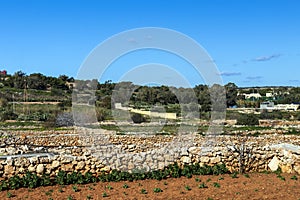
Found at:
(256, 186)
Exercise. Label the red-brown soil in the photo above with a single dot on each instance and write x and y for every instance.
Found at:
(257, 186)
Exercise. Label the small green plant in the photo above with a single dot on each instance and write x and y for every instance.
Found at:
(143, 191)
(221, 178)
(91, 188)
(109, 187)
(49, 193)
(294, 177)
(88, 197)
(165, 183)
(278, 171)
(125, 186)
(140, 184)
(234, 175)
(188, 188)
(265, 172)
(75, 188)
(157, 190)
(50, 198)
(247, 175)
(208, 180)
(256, 190)
(69, 197)
(104, 194)
(202, 185)
(281, 177)
(197, 180)
(9, 195)
(60, 190)
(125, 193)
(210, 198)
(217, 185)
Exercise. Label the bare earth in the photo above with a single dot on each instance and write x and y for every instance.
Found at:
(257, 186)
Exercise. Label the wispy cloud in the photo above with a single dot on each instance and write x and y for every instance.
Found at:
(266, 58)
(254, 78)
(230, 73)
(294, 81)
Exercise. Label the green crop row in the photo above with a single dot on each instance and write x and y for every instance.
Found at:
(32, 180)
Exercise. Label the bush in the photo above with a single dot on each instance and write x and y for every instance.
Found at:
(271, 115)
(137, 118)
(7, 115)
(248, 119)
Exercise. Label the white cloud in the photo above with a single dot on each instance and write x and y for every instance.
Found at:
(266, 58)
(230, 73)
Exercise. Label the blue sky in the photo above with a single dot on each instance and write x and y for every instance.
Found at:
(253, 43)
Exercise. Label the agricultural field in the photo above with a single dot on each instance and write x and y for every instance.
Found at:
(205, 187)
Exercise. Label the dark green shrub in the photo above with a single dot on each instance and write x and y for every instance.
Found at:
(248, 119)
(137, 118)
(275, 114)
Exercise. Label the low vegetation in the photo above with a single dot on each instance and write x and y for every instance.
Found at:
(31, 180)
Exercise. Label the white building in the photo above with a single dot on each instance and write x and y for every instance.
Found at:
(269, 94)
(286, 107)
(252, 95)
(267, 105)
(270, 106)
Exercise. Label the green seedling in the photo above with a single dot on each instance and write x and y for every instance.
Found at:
(157, 190)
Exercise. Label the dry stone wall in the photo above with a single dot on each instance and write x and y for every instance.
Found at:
(261, 153)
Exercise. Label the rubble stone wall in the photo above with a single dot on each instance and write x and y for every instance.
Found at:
(251, 154)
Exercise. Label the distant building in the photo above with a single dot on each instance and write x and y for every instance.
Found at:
(269, 94)
(4, 72)
(287, 107)
(252, 95)
(270, 106)
(267, 105)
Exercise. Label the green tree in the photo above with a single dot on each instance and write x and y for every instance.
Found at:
(19, 80)
(231, 94)
(37, 81)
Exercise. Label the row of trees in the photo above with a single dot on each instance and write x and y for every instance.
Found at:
(146, 95)
(140, 96)
(37, 81)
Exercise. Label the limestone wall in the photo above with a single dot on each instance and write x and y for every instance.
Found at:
(252, 153)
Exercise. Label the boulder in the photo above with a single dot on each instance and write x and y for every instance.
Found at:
(40, 169)
(55, 164)
(297, 169)
(186, 159)
(106, 169)
(215, 160)
(80, 165)
(205, 159)
(286, 168)
(8, 169)
(32, 168)
(274, 164)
